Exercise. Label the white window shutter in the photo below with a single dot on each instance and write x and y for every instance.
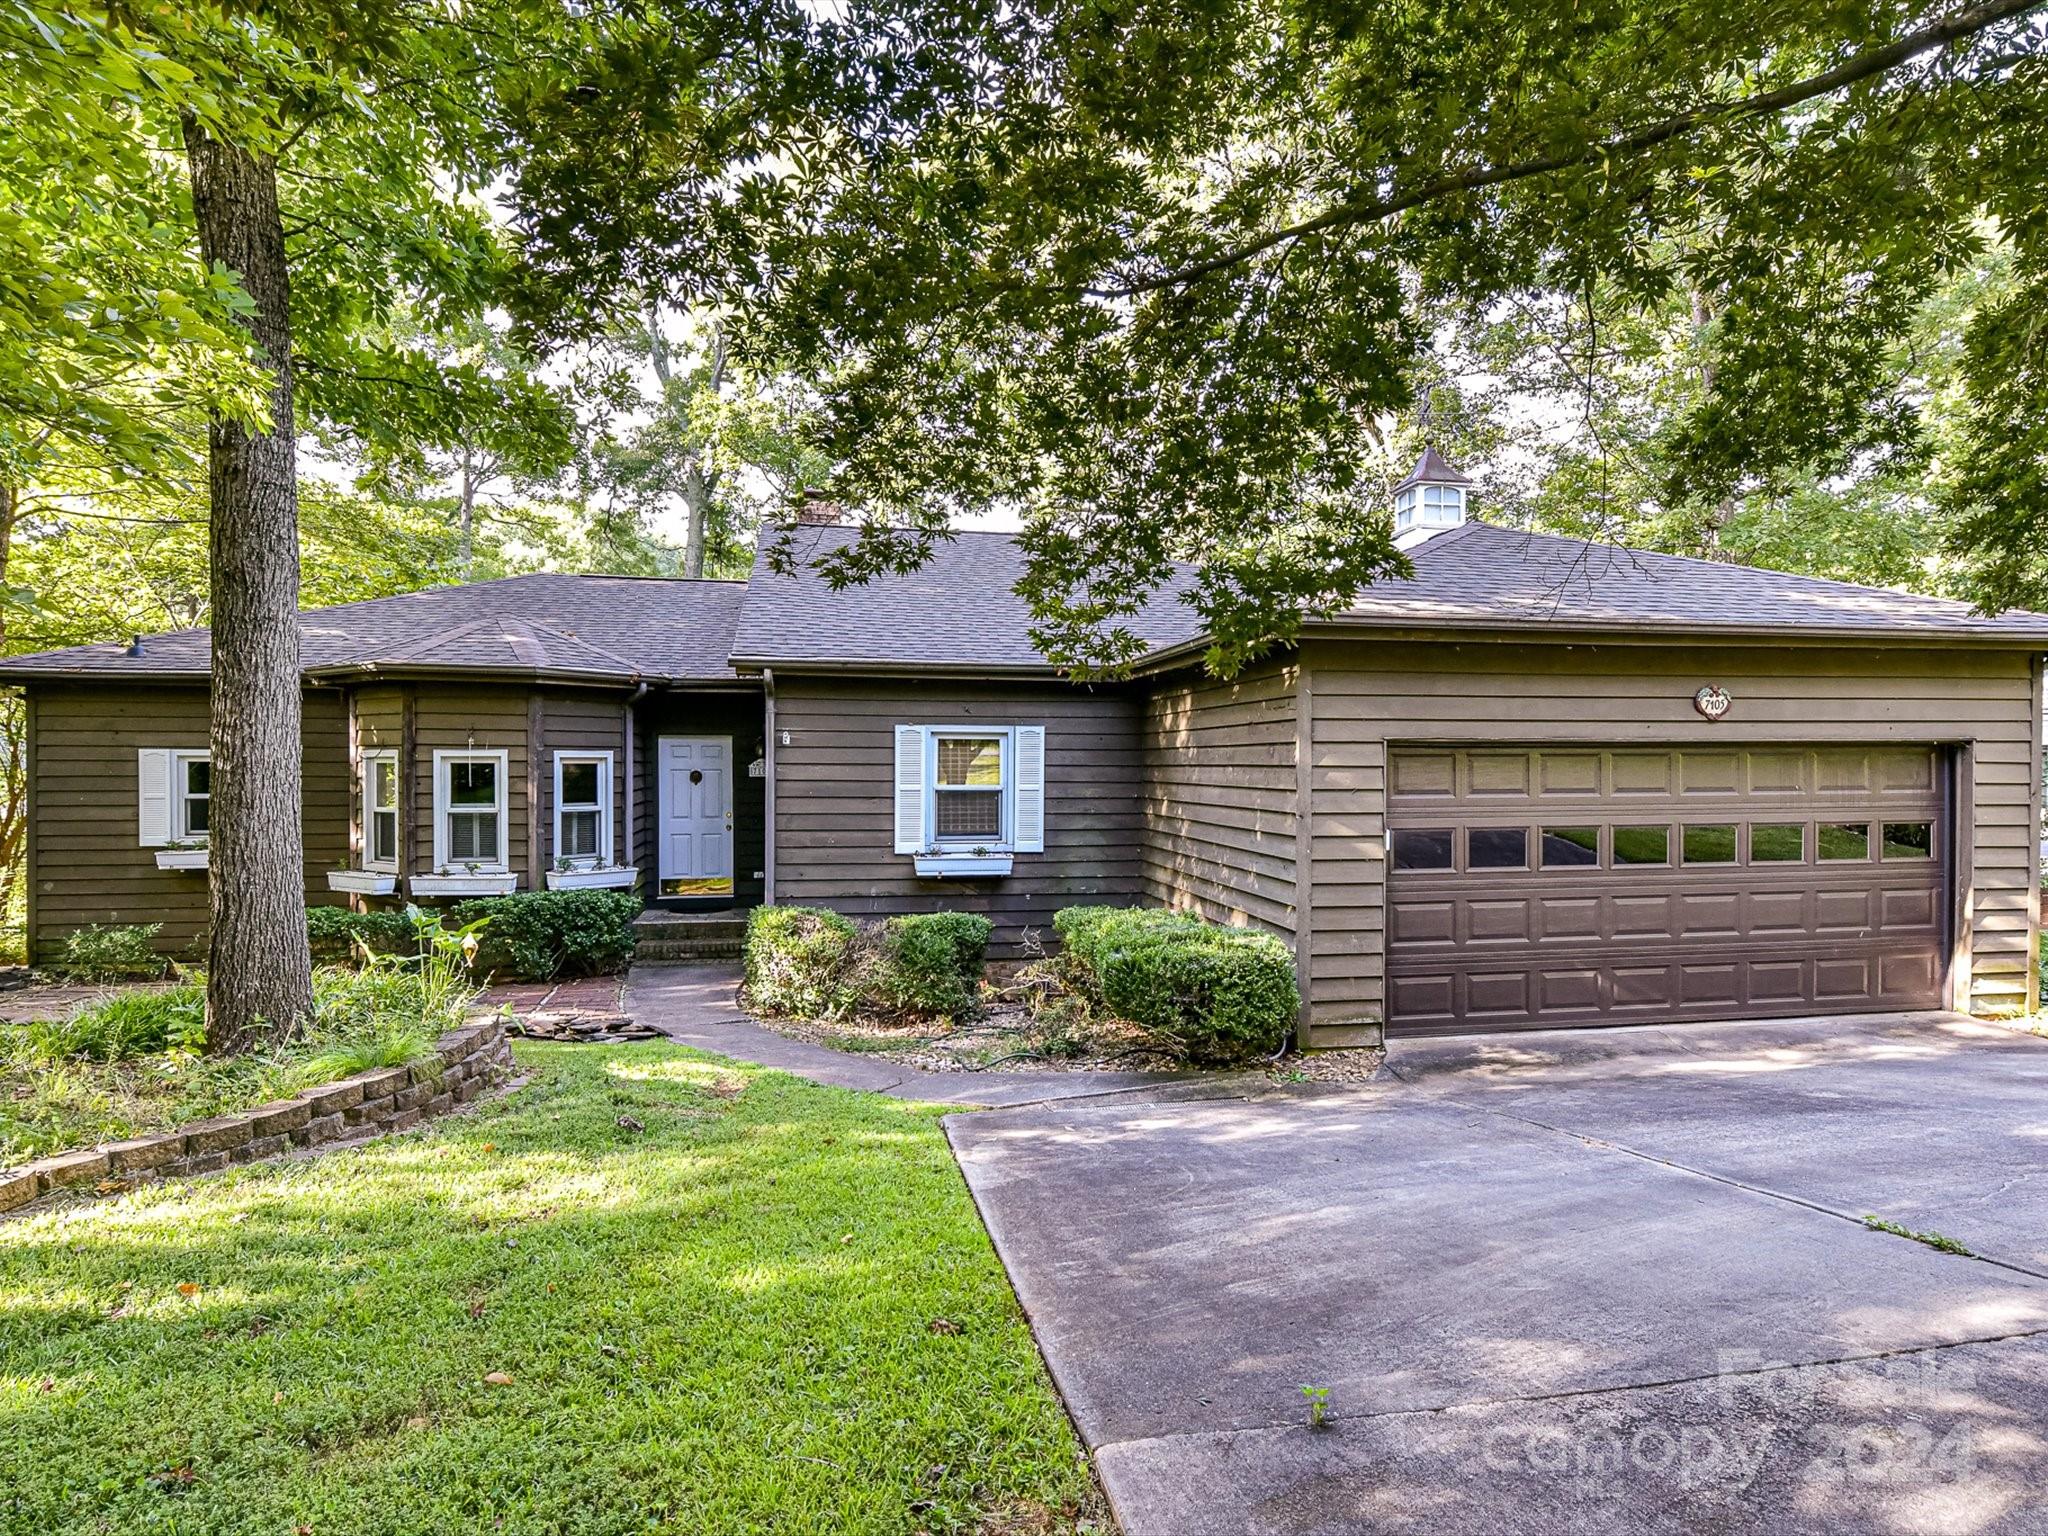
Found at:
(1030, 834)
(909, 789)
(153, 795)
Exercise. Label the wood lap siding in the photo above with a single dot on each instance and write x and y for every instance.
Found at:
(834, 824)
(464, 719)
(583, 723)
(1370, 694)
(1219, 797)
(90, 866)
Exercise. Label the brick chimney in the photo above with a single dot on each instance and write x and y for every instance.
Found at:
(819, 508)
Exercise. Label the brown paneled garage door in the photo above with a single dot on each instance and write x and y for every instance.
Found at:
(1530, 888)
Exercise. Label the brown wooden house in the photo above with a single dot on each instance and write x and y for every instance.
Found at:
(1544, 782)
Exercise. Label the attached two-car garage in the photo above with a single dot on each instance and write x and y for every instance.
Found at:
(1545, 886)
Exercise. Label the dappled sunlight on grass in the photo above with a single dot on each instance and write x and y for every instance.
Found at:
(710, 1290)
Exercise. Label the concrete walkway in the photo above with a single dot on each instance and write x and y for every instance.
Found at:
(696, 1005)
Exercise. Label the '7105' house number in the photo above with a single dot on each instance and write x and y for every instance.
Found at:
(1712, 702)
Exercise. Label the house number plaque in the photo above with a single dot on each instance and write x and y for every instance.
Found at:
(1712, 702)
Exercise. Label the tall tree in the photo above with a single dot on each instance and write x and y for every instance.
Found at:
(259, 969)
(334, 179)
(1155, 275)
(713, 438)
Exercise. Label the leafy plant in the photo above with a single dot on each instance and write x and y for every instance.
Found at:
(339, 935)
(808, 962)
(1220, 994)
(1318, 1405)
(121, 1028)
(542, 935)
(1934, 1240)
(798, 961)
(929, 964)
(119, 952)
(533, 936)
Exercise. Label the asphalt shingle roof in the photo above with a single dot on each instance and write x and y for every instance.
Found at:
(1488, 577)
(547, 624)
(958, 610)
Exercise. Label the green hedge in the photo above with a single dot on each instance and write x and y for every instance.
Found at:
(799, 960)
(533, 936)
(1221, 994)
(808, 962)
(930, 964)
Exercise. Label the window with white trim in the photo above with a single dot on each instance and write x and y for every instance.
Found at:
(469, 811)
(970, 789)
(191, 795)
(380, 811)
(1429, 506)
(969, 784)
(583, 809)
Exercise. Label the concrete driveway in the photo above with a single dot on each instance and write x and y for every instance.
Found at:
(1604, 1281)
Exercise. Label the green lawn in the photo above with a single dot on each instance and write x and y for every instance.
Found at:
(721, 1323)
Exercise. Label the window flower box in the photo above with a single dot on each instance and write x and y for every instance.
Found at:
(620, 878)
(462, 883)
(362, 882)
(181, 858)
(962, 866)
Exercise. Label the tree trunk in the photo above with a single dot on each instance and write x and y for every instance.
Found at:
(465, 523)
(258, 981)
(13, 742)
(697, 509)
(1724, 509)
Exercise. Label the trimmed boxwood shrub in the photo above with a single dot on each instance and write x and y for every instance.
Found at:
(544, 935)
(533, 936)
(799, 961)
(808, 962)
(1221, 994)
(930, 963)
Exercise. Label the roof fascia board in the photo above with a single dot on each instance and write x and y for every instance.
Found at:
(1648, 634)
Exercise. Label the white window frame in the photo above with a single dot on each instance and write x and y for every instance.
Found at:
(1429, 505)
(182, 798)
(606, 845)
(1007, 790)
(444, 762)
(369, 793)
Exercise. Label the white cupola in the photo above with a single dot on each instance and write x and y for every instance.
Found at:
(1429, 501)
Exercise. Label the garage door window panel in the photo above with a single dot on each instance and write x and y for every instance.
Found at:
(1417, 849)
(1838, 841)
(1571, 847)
(1497, 848)
(1713, 844)
(1642, 845)
(1777, 842)
(1908, 840)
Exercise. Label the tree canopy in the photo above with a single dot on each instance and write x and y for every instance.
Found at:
(1157, 277)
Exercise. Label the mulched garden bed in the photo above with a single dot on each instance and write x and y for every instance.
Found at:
(1005, 1037)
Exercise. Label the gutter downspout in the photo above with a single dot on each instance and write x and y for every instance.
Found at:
(632, 780)
(768, 793)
